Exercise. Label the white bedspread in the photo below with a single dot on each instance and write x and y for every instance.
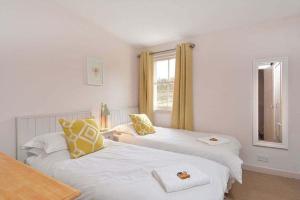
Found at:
(123, 172)
(186, 142)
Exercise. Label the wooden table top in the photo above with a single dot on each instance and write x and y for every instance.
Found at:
(21, 182)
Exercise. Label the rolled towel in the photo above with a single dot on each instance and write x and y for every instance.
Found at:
(213, 140)
(176, 178)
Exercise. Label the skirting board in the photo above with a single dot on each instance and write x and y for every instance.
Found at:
(271, 171)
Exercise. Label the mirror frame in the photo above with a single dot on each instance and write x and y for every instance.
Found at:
(284, 84)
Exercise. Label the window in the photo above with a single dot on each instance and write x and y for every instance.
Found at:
(164, 75)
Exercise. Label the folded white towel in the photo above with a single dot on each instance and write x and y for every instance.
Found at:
(168, 179)
(210, 140)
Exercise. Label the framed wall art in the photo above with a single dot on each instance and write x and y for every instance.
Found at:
(94, 71)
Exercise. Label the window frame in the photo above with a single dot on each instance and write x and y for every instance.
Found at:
(161, 57)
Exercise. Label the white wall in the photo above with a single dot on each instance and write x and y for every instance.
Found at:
(43, 50)
(223, 86)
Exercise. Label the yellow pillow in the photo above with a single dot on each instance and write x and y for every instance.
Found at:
(142, 124)
(82, 136)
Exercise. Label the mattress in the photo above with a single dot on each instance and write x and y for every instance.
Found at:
(182, 141)
(123, 172)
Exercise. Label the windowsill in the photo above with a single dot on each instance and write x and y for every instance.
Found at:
(162, 110)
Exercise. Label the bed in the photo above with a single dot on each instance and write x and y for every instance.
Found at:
(119, 171)
(181, 141)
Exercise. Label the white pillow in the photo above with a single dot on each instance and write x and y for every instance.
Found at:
(49, 142)
(33, 143)
(35, 151)
(125, 128)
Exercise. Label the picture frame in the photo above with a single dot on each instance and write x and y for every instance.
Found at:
(94, 71)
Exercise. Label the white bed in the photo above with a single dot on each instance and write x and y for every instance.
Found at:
(123, 172)
(119, 171)
(182, 141)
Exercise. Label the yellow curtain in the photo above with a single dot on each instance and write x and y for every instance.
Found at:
(146, 84)
(182, 113)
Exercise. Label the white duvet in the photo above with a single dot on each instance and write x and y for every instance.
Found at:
(182, 141)
(123, 172)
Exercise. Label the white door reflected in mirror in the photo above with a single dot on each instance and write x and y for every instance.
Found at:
(270, 103)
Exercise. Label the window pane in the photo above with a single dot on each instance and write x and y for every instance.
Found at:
(162, 94)
(170, 94)
(164, 83)
(162, 70)
(172, 69)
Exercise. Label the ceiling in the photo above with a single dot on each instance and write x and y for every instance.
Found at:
(151, 22)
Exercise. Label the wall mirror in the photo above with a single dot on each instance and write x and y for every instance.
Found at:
(270, 111)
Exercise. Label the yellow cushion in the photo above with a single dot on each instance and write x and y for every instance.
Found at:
(82, 136)
(142, 124)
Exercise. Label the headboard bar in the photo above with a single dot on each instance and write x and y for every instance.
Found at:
(121, 116)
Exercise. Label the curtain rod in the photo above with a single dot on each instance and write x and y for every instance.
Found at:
(156, 52)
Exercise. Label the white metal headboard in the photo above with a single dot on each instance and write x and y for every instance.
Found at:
(121, 116)
(28, 127)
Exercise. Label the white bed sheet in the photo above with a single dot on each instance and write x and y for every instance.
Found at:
(123, 172)
(182, 141)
